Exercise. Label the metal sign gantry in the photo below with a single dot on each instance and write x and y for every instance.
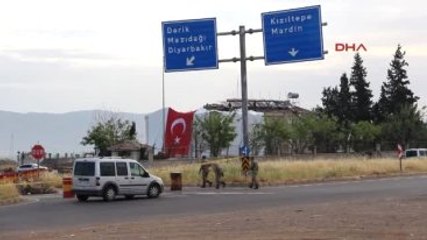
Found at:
(292, 35)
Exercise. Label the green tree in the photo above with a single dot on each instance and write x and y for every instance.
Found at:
(337, 102)
(405, 126)
(364, 136)
(395, 92)
(313, 130)
(107, 133)
(330, 101)
(325, 133)
(380, 108)
(217, 130)
(200, 144)
(344, 111)
(272, 134)
(256, 141)
(362, 95)
(302, 133)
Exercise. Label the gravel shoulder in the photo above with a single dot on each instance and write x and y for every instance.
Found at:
(390, 218)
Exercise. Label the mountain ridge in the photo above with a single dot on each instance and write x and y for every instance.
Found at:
(57, 132)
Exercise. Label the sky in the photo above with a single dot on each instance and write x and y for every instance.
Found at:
(59, 56)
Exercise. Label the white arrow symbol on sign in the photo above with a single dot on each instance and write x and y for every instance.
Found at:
(293, 52)
(190, 60)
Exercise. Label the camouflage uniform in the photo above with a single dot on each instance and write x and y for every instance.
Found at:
(219, 174)
(204, 170)
(254, 173)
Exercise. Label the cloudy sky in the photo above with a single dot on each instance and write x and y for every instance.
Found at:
(68, 55)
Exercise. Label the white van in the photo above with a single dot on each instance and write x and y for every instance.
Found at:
(416, 152)
(109, 177)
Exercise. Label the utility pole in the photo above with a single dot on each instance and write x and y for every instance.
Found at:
(243, 75)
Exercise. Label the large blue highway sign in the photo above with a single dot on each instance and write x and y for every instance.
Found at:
(190, 45)
(292, 35)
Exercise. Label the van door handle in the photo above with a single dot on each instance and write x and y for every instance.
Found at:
(126, 178)
(132, 178)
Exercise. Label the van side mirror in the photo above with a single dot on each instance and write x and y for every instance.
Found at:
(146, 175)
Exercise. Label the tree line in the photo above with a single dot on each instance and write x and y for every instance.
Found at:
(349, 119)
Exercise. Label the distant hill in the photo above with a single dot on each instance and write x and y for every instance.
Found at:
(58, 133)
(63, 132)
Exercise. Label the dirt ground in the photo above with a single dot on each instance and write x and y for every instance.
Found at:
(394, 219)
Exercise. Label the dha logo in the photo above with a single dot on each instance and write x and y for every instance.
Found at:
(345, 47)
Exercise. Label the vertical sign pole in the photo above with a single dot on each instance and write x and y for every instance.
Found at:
(163, 105)
(243, 75)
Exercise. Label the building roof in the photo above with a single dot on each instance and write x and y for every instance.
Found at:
(258, 105)
(128, 145)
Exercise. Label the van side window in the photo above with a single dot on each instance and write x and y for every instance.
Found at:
(136, 170)
(122, 169)
(107, 169)
(423, 153)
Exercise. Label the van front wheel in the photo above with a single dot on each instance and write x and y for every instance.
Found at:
(153, 191)
(109, 194)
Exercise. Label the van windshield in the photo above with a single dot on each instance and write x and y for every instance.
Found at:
(84, 169)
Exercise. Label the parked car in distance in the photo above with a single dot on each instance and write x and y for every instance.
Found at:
(30, 166)
(109, 177)
(416, 152)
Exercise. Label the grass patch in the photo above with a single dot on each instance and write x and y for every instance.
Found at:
(9, 193)
(274, 172)
(51, 179)
(46, 183)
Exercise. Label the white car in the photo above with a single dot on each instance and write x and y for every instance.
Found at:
(31, 166)
(109, 177)
(416, 152)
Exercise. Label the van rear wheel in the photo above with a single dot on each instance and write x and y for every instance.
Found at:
(109, 193)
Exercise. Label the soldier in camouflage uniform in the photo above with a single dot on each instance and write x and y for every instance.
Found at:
(253, 169)
(219, 174)
(204, 171)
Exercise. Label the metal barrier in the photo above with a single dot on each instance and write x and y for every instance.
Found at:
(176, 181)
(67, 184)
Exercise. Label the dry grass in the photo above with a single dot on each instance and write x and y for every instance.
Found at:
(273, 172)
(46, 183)
(9, 193)
(51, 179)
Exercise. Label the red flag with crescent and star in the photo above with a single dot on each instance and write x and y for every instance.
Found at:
(179, 128)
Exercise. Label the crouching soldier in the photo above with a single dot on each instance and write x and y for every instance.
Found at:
(254, 173)
(204, 171)
(219, 174)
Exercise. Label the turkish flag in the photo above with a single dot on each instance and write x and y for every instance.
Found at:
(179, 128)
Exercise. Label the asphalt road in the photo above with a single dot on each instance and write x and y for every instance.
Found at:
(45, 212)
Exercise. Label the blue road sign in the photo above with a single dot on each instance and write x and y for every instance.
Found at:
(190, 45)
(292, 35)
(245, 150)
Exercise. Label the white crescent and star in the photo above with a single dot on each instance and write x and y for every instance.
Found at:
(174, 124)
